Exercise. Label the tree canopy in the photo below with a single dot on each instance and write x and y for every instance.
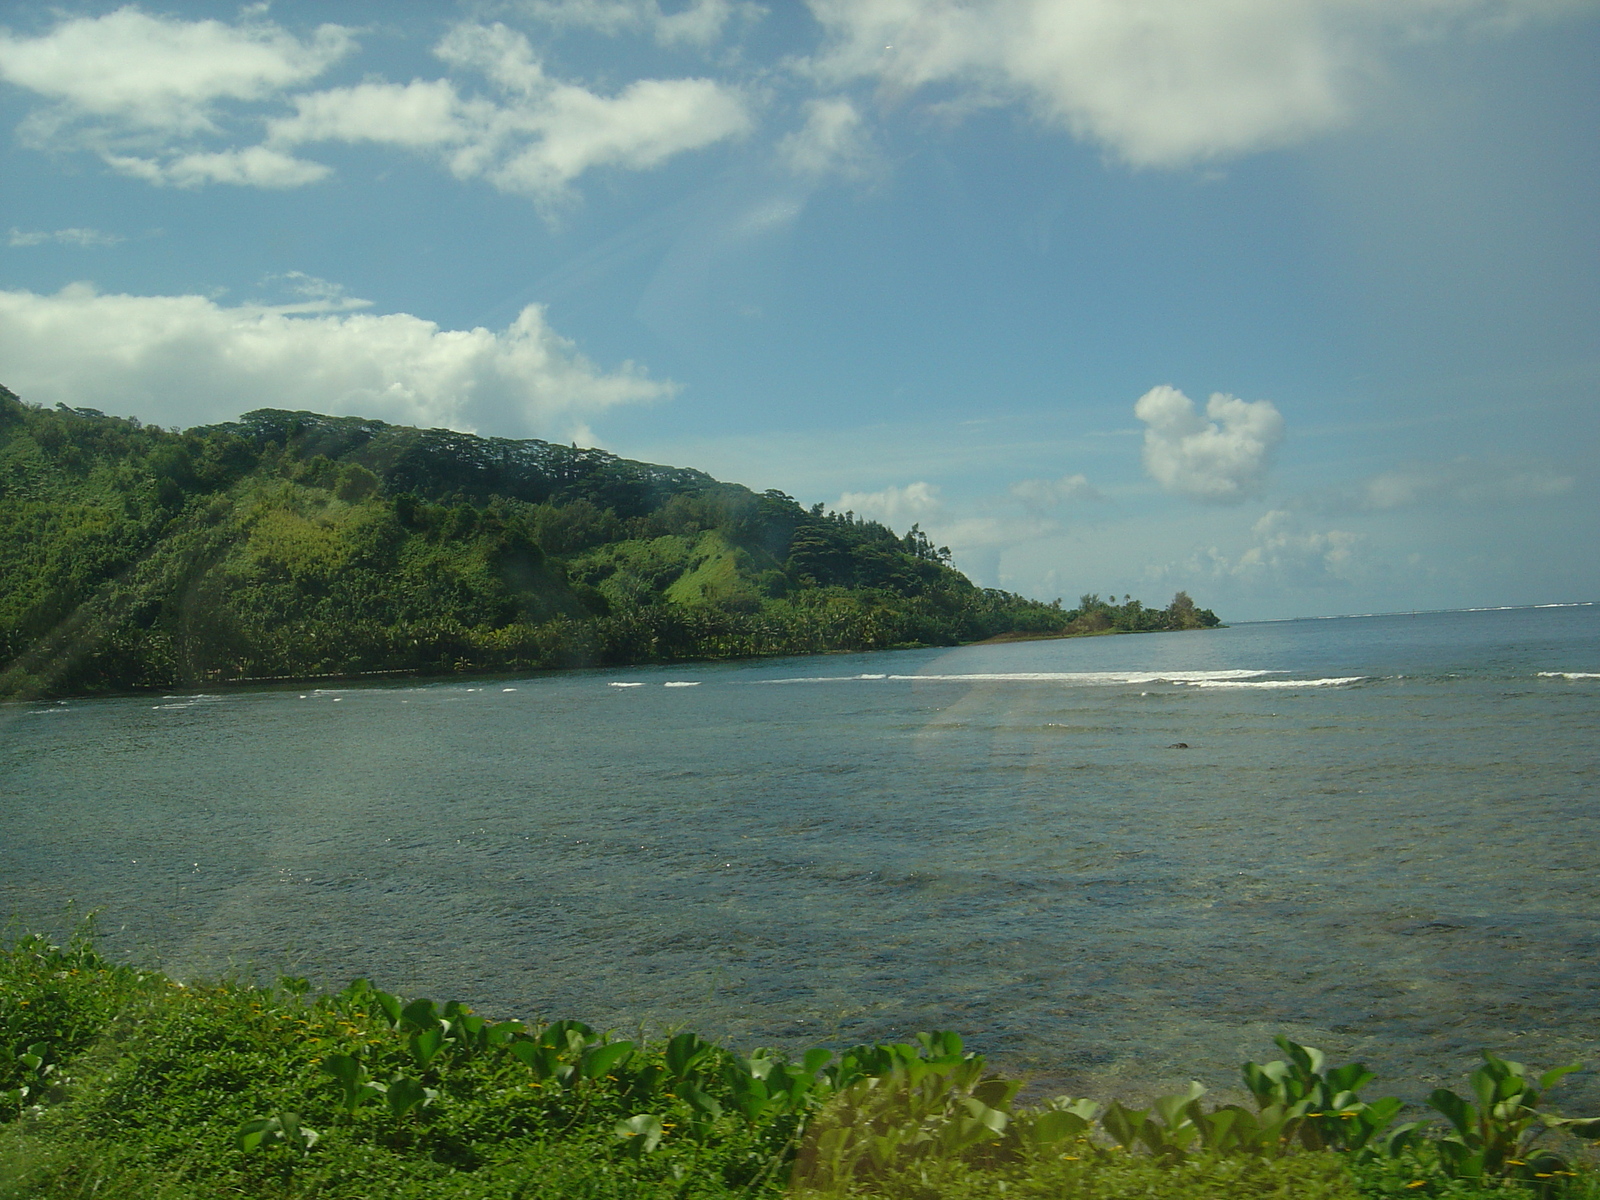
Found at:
(295, 545)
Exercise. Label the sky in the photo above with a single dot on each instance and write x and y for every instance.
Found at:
(1291, 304)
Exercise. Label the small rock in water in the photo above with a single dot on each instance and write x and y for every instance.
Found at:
(1178, 746)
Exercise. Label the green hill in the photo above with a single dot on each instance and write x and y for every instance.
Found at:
(293, 545)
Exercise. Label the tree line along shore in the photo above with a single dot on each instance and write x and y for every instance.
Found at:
(295, 545)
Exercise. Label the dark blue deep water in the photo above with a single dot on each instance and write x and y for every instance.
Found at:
(1383, 839)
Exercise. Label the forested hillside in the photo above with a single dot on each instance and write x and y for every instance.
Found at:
(296, 545)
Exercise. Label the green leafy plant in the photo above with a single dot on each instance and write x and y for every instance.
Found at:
(1054, 1124)
(280, 1129)
(1498, 1135)
(28, 1071)
(765, 1084)
(1169, 1130)
(173, 1081)
(355, 1086)
(641, 1133)
(901, 1104)
(1322, 1109)
(405, 1095)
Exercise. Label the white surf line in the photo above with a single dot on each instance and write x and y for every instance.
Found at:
(1093, 677)
(682, 683)
(1569, 674)
(1078, 677)
(625, 685)
(1274, 683)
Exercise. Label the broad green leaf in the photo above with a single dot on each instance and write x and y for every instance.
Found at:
(420, 1014)
(389, 1006)
(600, 1060)
(405, 1094)
(1550, 1078)
(425, 1046)
(643, 1133)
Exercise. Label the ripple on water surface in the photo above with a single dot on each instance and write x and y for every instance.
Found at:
(1377, 837)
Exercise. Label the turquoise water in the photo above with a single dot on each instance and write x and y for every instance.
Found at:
(1382, 839)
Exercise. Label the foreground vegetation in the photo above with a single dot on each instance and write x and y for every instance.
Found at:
(116, 1082)
(292, 545)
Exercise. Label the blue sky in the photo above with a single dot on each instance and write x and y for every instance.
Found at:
(1289, 303)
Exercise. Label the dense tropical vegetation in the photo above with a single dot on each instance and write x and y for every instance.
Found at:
(287, 544)
(117, 1082)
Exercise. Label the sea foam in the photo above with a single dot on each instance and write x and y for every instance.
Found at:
(1330, 681)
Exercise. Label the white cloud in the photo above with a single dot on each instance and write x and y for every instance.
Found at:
(978, 541)
(700, 22)
(254, 166)
(1157, 82)
(65, 237)
(1039, 494)
(538, 135)
(1463, 481)
(312, 294)
(146, 93)
(1282, 554)
(650, 121)
(499, 53)
(1221, 461)
(422, 113)
(896, 507)
(832, 141)
(137, 71)
(1282, 549)
(185, 360)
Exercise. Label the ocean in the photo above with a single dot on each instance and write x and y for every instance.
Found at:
(1112, 864)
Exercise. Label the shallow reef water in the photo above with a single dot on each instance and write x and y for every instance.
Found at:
(1380, 838)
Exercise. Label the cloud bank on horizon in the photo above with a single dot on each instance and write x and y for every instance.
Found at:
(722, 178)
(173, 356)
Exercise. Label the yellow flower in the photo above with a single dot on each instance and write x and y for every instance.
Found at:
(1416, 1183)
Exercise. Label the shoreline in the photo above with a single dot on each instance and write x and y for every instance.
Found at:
(275, 682)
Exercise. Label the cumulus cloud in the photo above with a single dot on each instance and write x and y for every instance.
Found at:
(1284, 552)
(896, 507)
(422, 113)
(1159, 83)
(130, 71)
(186, 360)
(536, 135)
(1281, 547)
(64, 237)
(1222, 460)
(148, 95)
(698, 23)
(833, 140)
(1040, 494)
(978, 540)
